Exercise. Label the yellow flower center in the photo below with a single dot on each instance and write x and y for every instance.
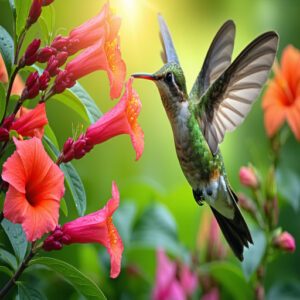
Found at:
(110, 50)
(132, 110)
(112, 232)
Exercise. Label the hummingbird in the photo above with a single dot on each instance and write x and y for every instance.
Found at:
(219, 101)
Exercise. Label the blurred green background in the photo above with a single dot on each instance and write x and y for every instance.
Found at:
(193, 24)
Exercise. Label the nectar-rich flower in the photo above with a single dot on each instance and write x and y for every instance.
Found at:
(248, 177)
(122, 119)
(31, 122)
(36, 186)
(285, 241)
(281, 101)
(96, 227)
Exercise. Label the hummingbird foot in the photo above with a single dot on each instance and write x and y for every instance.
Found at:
(199, 197)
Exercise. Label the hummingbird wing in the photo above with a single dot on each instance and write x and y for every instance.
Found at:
(169, 53)
(217, 59)
(228, 100)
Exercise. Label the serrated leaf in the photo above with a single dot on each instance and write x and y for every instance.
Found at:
(254, 254)
(156, 228)
(26, 292)
(17, 238)
(6, 49)
(73, 180)
(81, 102)
(22, 10)
(231, 278)
(78, 280)
(6, 270)
(2, 100)
(8, 258)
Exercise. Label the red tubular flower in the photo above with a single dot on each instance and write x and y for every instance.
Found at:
(32, 86)
(281, 101)
(30, 56)
(47, 2)
(96, 227)
(31, 122)
(36, 186)
(122, 119)
(90, 32)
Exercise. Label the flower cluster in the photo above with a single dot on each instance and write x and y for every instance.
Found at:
(33, 182)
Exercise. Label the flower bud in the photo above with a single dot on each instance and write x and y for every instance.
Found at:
(34, 13)
(52, 66)
(285, 241)
(8, 121)
(248, 177)
(247, 204)
(45, 53)
(4, 134)
(62, 57)
(60, 43)
(32, 86)
(30, 55)
(47, 2)
(44, 80)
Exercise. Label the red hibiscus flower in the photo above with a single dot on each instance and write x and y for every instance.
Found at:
(36, 186)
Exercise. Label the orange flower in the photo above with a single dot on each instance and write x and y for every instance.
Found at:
(31, 122)
(18, 85)
(36, 186)
(282, 99)
(96, 227)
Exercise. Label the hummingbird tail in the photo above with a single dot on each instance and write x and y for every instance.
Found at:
(235, 230)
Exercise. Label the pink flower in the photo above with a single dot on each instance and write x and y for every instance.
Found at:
(96, 227)
(36, 186)
(248, 177)
(173, 281)
(285, 241)
(31, 122)
(122, 119)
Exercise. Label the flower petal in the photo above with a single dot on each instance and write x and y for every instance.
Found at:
(293, 118)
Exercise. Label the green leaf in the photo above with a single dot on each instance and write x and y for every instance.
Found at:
(47, 23)
(26, 292)
(2, 100)
(17, 238)
(22, 9)
(64, 207)
(51, 135)
(81, 102)
(155, 228)
(231, 278)
(8, 258)
(72, 178)
(6, 49)
(254, 254)
(123, 219)
(75, 186)
(6, 270)
(79, 281)
(284, 290)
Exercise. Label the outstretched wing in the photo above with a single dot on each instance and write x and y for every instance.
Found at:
(229, 99)
(217, 59)
(169, 53)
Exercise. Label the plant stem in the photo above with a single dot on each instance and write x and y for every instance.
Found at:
(11, 82)
(18, 273)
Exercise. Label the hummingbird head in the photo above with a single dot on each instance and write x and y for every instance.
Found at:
(170, 82)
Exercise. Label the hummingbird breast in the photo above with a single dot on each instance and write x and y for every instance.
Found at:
(198, 164)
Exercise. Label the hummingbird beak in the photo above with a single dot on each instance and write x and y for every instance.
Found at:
(145, 76)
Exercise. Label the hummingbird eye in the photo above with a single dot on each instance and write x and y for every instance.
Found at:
(169, 77)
